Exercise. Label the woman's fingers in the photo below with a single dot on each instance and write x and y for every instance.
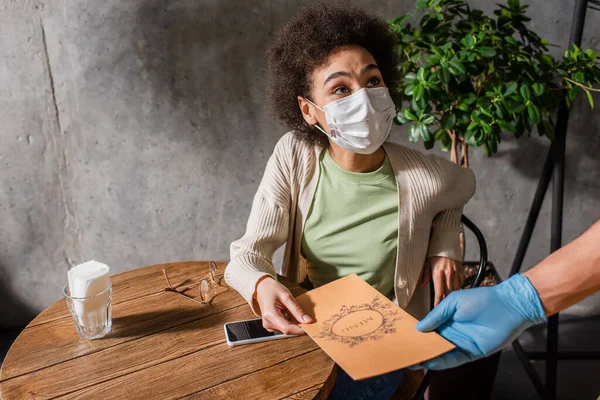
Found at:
(451, 274)
(297, 312)
(425, 275)
(438, 286)
(450, 279)
(269, 329)
(276, 303)
(292, 329)
(274, 321)
(459, 276)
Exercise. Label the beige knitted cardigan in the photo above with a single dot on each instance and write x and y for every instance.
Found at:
(431, 194)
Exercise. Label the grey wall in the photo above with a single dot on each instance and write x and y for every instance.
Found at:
(135, 133)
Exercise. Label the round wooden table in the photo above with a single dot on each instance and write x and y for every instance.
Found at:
(162, 346)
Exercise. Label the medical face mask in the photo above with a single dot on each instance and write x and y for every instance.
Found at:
(362, 121)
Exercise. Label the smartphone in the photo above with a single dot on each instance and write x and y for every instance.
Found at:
(249, 331)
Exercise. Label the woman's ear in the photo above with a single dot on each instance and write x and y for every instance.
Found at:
(308, 111)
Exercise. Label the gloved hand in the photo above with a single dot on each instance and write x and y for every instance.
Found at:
(482, 321)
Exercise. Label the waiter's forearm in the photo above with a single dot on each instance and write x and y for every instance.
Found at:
(569, 274)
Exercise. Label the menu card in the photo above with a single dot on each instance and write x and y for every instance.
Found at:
(364, 332)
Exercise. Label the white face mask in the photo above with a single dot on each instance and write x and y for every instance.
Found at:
(362, 121)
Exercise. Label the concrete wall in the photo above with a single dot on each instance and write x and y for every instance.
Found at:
(135, 132)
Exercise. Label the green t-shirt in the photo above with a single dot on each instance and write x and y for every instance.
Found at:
(352, 226)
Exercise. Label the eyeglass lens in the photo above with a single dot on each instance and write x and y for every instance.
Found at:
(206, 291)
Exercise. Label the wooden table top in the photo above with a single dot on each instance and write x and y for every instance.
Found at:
(162, 346)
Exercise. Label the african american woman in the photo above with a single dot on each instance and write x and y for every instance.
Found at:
(340, 196)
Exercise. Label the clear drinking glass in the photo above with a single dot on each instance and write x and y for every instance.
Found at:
(92, 315)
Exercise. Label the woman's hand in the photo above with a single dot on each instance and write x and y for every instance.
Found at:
(277, 305)
(447, 275)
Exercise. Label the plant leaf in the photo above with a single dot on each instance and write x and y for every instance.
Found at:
(444, 75)
(486, 112)
(538, 88)
(418, 92)
(579, 77)
(590, 98)
(449, 121)
(548, 60)
(445, 141)
(425, 133)
(433, 60)
(499, 112)
(549, 130)
(439, 134)
(470, 138)
(493, 146)
(422, 3)
(468, 41)
(470, 99)
(487, 128)
(541, 127)
(534, 114)
(507, 126)
(429, 120)
(591, 54)
(525, 92)
(573, 92)
(510, 88)
(486, 51)
(418, 106)
(410, 77)
(463, 107)
(413, 133)
(456, 67)
(519, 108)
(408, 115)
(400, 118)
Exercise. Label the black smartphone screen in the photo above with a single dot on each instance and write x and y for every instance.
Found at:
(245, 330)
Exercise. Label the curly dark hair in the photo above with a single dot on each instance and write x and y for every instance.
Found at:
(305, 42)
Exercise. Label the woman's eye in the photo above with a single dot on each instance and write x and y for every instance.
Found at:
(340, 90)
(374, 81)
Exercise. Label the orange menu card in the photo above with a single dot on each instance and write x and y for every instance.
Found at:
(364, 332)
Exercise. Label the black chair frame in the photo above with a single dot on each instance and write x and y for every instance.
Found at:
(483, 262)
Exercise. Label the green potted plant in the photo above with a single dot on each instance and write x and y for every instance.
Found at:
(467, 79)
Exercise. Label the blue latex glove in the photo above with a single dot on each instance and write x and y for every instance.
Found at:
(482, 321)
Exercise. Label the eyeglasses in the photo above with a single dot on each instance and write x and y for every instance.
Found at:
(207, 285)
